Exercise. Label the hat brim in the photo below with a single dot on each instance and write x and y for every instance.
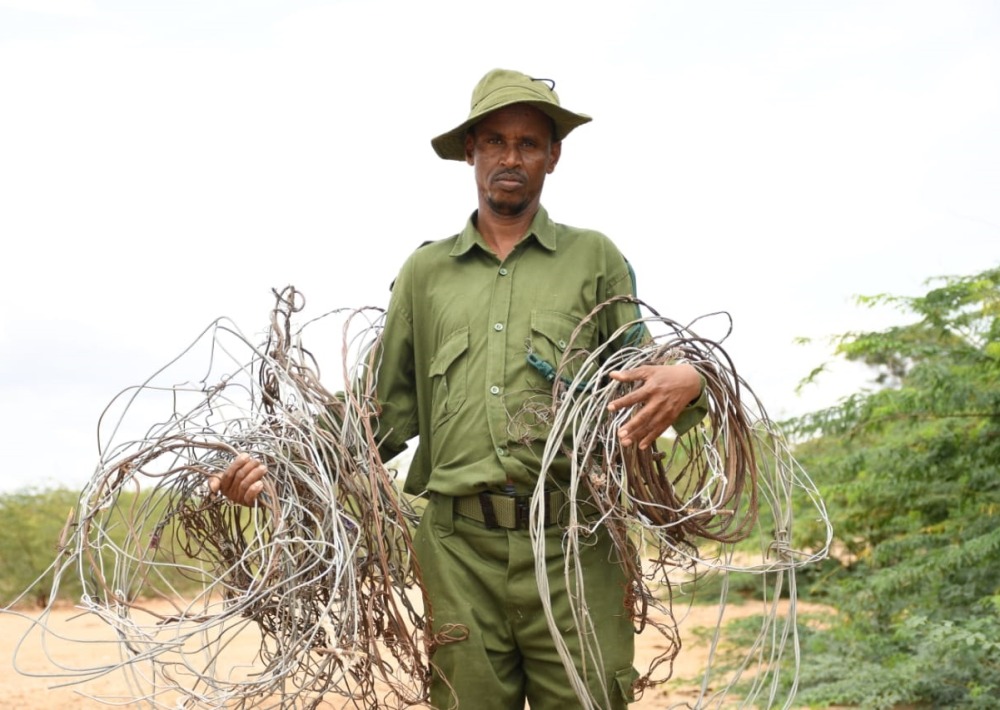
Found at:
(451, 145)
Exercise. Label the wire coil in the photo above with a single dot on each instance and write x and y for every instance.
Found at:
(322, 574)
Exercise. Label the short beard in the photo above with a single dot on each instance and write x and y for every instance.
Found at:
(507, 209)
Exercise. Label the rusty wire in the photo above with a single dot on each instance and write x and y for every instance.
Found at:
(680, 513)
(321, 572)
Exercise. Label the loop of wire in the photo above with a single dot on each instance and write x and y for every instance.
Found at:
(678, 514)
(322, 572)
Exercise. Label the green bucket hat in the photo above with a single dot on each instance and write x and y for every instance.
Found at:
(502, 87)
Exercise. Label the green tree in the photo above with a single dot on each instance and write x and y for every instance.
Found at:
(33, 523)
(909, 471)
(38, 535)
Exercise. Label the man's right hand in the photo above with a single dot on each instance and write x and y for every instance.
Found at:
(242, 481)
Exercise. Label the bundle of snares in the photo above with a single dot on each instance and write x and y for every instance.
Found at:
(322, 574)
(319, 576)
(680, 512)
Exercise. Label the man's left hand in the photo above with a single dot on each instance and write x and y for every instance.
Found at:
(663, 391)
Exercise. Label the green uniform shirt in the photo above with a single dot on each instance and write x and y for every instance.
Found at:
(460, 325)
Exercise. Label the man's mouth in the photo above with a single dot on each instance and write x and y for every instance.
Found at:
(509, 179)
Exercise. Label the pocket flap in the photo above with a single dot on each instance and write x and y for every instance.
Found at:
(451, 349)
(558, 329)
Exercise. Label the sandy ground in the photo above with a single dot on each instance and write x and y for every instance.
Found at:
(88, 642)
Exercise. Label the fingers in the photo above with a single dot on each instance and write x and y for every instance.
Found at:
(242, 481)
(629, 398)
(659, 398)
(636, 373)
(643, 427)
(252, 485)
(639, 426)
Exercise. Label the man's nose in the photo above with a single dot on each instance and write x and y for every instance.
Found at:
(511, 154)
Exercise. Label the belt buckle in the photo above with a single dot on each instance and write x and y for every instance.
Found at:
(522, 512)
(489, 512)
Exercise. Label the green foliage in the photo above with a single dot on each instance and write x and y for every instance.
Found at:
(33, 522)
(909, 474)
(919, 662)
(38, 527)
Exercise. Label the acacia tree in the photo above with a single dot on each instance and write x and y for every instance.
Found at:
(910, 475)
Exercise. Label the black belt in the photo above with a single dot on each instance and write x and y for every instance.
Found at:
(497, 510)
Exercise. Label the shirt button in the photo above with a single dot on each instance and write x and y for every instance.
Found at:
(494, 390)
(503, 271)
(498, 327)
(501, 451)
(561, 344)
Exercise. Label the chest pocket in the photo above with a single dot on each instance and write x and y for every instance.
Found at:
(449, 378)
(552, 343)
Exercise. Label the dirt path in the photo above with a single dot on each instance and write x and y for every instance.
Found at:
(22, 691)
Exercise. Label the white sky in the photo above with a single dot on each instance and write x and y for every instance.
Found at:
(166, 163)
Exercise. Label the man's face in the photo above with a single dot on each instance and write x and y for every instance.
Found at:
(512, 152)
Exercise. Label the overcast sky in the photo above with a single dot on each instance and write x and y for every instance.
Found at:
(166, 163)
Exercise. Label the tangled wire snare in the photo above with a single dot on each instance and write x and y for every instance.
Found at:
(715, 466)
(707, 488)
(320, 573)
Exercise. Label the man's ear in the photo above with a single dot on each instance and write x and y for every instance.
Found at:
(554, 152)
(470, 142)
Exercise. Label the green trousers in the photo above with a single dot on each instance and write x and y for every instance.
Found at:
(481, 582)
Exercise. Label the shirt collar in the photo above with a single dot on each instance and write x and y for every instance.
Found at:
(541, 228)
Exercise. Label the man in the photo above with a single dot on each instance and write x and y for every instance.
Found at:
(472, 325)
